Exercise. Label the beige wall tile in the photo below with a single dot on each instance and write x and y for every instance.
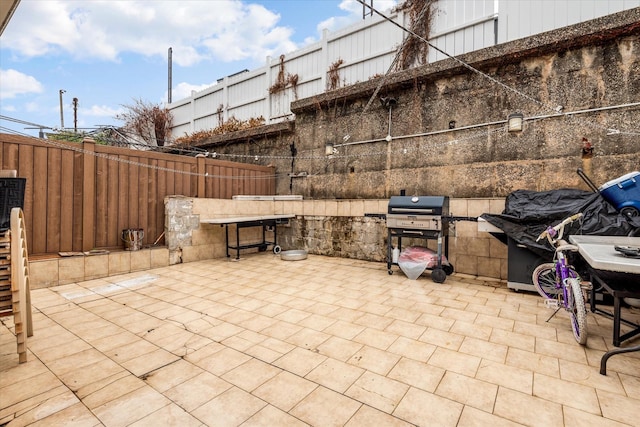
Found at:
(477, 207)
(140, 260)
(119, 262)
(43, 273)
(344, 208)
(458, 207)
(71, 269)
(96, 266)
(159, 257)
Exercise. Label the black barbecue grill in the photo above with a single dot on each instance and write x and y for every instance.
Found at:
(420, 217)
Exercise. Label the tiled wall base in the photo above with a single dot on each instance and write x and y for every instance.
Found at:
(48, 272)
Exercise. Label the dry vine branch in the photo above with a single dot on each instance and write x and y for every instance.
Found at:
(334, 76)
(231, 125)
(414, 51)
(282, 82)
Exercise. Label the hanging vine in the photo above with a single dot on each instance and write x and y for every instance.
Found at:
(414, 51)
(284, 80)
(333, 81)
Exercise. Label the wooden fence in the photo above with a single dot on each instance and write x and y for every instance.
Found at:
(80, 196)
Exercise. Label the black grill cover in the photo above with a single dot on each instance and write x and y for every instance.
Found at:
(529, 213)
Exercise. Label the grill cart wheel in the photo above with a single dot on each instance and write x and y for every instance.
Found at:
(630, 212)
(438, 275)
(390, 272)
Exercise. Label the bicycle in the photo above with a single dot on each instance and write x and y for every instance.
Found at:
(559, 283)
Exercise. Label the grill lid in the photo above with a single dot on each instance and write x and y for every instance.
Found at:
(419, 205)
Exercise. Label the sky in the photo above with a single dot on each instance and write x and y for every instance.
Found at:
(110, 53)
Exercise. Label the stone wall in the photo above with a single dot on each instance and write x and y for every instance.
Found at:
(341, 228)
(577, 87)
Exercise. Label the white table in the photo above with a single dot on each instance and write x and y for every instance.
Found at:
(618, 275)
(246, 221)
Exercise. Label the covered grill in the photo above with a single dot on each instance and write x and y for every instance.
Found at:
(420, 217)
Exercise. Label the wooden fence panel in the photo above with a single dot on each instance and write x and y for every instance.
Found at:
(80, 196)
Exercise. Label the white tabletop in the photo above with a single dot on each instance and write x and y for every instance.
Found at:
(599, 252)
(248, 218)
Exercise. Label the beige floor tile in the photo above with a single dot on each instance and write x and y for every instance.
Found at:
(335, 375)
(284, 390)
(572, 352)
(630, 383)
(576, 418)
(62, 350)
(472, 330)
(222, 361)
(533, 362)
(339, 348)
(368, 416)
(308, 338)
(75, 415)
(344, 329)
(417, 374)
(169, 376)
(196, 391)
(170, 415)
(148, 362)
(495, 322)
(590, 376)
(526, 409)
(131, 407)
(31, 410)
(233, 407)
(76, 361)
(300, 361)
(379, 392)
(506, 376)
(449, 360)
(513, 339)
(19, 372)
(484, 349)
(376, 338)
(566, 393)
(118, 387)
(251, 374)
(375, 360)
(324, 407)
(281, 330)
(422, 408)
(468, 391)
(270, 416)
(442, 338)
(77, 379)
(472, 417)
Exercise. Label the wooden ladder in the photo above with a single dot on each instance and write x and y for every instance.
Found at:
(15, 295)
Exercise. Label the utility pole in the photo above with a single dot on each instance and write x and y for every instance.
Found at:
(170, 63)
(61, 112)
(75, 115)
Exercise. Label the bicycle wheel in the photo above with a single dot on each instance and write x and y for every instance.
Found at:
(577, 311)
(544, 280)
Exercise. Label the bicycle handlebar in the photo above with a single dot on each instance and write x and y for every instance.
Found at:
(551, 232)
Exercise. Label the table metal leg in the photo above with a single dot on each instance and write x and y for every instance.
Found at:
(608, 354)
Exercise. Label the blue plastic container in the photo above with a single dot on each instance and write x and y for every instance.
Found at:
(623, 193)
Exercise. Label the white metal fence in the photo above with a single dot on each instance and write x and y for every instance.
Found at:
(368, 48)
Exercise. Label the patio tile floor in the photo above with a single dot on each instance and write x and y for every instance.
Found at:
(323, 342)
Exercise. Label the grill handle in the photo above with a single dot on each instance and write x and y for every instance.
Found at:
(413, 232)
(412, 211)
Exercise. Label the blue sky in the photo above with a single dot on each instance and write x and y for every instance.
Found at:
(110, 53)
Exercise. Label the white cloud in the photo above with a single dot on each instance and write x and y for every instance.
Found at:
(15, 83)
(183, 90)
(223, 30)
(354, 11)
(101, 111)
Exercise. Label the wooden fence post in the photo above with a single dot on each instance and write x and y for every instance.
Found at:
(201, 169)
(88, 194)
